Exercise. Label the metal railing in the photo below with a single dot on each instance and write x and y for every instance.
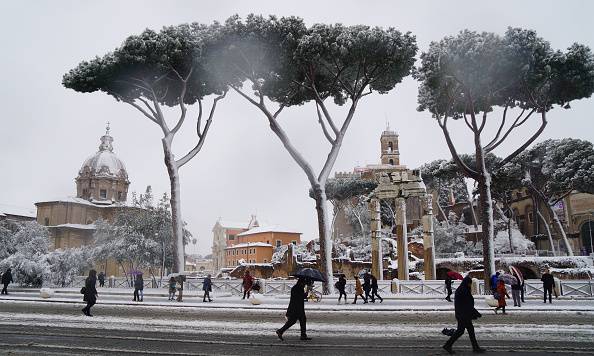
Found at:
(571, 288)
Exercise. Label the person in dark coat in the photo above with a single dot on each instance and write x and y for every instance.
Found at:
(340, 285)
(207, 288)
(6, 280)
(448, 286)
(90, 294)
(101, 279)
(180, 289)
(248, 282)
(139, 288)
(523, 284)
(465, 314)
(547, 284)
(296, 311)
(374, 290)
(367, 286)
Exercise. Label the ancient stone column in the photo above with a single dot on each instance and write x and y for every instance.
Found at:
(376, 223)
(402, 239)
(428, 242)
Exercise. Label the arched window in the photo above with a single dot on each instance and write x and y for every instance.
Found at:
(391, 161)
(390, 147)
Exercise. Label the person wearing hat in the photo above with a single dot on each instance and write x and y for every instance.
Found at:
(465, 314)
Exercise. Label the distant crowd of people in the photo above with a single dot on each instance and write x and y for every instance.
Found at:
(368, 291)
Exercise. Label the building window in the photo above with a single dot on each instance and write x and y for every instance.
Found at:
(294, 242)
(390, 147)
(530, 217)
(46, 221)
(231, 237)
(120, 195)
(85, 192)
(268, 242)
(278, 243)
(265, 260)
(391, 161)
(103, 193)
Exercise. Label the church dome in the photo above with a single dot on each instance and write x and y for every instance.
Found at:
(104, 163)
(103, 178)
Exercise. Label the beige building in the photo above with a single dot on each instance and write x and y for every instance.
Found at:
(576, 213)
(235, 242)
(102, 188)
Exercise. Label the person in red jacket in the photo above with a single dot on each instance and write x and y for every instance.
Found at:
(248, 283)
(501, 295)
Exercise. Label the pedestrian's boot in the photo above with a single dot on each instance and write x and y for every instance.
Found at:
(305, 338)
(280, 335)
(448, 348)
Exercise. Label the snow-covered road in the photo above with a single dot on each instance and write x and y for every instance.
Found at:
(233, 326)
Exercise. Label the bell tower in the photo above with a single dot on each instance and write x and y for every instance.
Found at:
(389, 147)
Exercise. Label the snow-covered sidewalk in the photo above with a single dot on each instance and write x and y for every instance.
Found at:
(412, 303)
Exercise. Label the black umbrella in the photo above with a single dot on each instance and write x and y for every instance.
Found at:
(310, 273)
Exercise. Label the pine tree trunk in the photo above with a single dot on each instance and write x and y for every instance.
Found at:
(176, 217)
(546, 225)
(561, 230)
(325, 241)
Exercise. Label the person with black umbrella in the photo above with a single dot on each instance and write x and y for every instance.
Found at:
(465, 313)
(296, 311)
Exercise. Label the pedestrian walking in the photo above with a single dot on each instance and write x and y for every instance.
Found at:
(341, 285)
(547, 284)
(374, 290)
(516, 289)
(90, 292)
(367, 286)
(359, 290)
(180, 289)
(465, 314)
(207, 288)
(248, 282)
(448, 286)
(501, 294)
(101, 279)
(172, 285)
(6, 280)
(296, 311)
(523, 289)
(138, 288)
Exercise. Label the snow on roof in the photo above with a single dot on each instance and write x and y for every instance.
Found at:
(250, 244)
(271, 228)
(77, 200)
(6, 209)
(75, 226)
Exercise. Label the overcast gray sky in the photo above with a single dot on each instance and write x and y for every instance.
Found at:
(48, 131)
